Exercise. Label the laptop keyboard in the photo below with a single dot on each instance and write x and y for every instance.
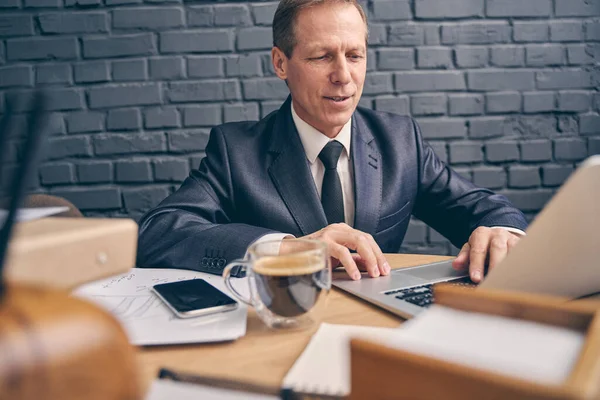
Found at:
(422, 296)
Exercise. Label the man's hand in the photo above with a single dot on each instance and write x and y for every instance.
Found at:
(489, 245)
(340, 239)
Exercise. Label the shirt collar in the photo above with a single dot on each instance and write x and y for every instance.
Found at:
(314, 141)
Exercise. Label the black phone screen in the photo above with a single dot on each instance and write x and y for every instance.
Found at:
(193, 294)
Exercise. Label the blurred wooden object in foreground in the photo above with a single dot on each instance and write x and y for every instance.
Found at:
(408, 375)
(53, 346)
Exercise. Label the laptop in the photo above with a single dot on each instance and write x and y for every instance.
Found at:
(560, 255)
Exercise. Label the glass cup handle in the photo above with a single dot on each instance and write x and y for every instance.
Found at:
(227, 279)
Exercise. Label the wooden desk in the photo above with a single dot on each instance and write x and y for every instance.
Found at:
(264, 356)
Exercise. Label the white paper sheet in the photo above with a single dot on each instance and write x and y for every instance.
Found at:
(29, 214)
(162, 389)
(148, 321)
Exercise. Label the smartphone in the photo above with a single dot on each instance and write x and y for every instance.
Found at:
(193, 298)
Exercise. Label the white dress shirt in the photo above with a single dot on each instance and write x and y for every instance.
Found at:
(313, 142)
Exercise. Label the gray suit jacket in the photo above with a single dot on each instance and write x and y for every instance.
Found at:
(255, 180)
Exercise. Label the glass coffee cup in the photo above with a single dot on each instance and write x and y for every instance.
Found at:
(289, 281)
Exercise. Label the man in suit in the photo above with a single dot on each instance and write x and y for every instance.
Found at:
(322, 168)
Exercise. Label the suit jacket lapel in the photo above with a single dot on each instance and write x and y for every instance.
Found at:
(367, 177)
(291, 174)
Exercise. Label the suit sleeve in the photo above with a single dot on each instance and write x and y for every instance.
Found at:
(198, 220)
(453, 205)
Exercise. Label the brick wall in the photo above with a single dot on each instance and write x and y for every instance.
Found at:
(506, 91)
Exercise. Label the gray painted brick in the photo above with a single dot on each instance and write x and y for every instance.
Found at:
(245, 66)
(64, 99)
(378, 83)
(366, 102)
(576, 8)
(432, 34)
(95, 172)
(166, 68)
(390, 10)
(206, 41)
(555, 175)
(406, 34)
(161, 117)
(532, 126)
(124, 119)
(41, 3)
(41, 49)
(545, 55)
(112, 144)
(202, 115)
(264, 89)
(142, 199)
(440, 149)
(465, 104)
(489, 177)
(267, 107)
(147, 18)
(534, 102)
(377, 34)
(563, 79)
(589, 124)
(254, 39)
(10, 4)
(394, 104)
(124, 95)
(241, 112)
(129, 70)
(523, 177)
(503, 102)
(536, 150)
(395, 59)
(471, 56)
(133, 171)
(85, 122)
(574, 101)
(448, 9)
(434, 57)
(476, 33)
(579, 54)
(592, 30)
(428, 104)
(84, 3)
(200, 16)
(442, 128)
(51, 74)
(170, 169)
(500, 80)
(263, 13)
(91, 72)
(596, 101)
(214, 90)
(570, 149)
(568, 125)
(118, 46)
(529, 200)
(16, 76)
(508, 56)
(566, 31)
(205, 67)
(185, 142)
(530, 31)
(63, 147)
(465, 152)
(16, 25)
(418, 81)
(416, 232)
(232, 15)
(92, 198)
(57, 174)
(502, 151)
(519, 8)
(593, 145)
(73, 22)
(486, 127)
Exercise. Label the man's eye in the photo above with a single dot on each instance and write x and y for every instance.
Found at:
(355, 57)
(319, 58)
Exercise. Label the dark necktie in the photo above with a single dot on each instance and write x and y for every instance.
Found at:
(331, 191)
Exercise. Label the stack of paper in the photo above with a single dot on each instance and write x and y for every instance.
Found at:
(148, 321)
(169, 390)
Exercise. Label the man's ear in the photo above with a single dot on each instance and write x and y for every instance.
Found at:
(279, 60)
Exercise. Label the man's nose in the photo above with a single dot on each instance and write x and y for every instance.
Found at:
(341, 72)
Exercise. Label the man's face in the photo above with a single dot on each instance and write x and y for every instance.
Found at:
(326, 72)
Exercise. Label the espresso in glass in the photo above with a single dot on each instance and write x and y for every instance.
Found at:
(290, 285)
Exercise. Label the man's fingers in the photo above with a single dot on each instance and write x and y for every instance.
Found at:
(462, 259)
(361, 244)
(382, 263)
(498, 250)
(343, 254)
(479, 242)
